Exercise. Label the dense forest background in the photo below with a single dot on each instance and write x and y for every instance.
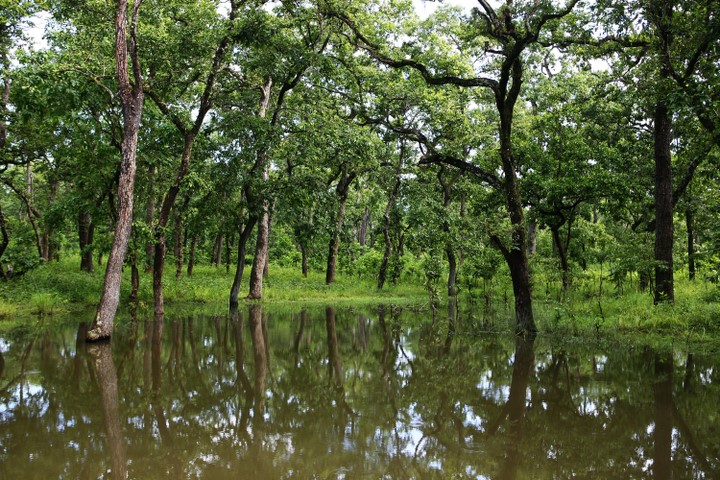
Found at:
(535, 143)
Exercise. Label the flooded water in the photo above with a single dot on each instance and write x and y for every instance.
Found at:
(353, 394)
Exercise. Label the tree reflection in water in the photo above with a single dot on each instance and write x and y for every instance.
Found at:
(330, 392)
(106, 376)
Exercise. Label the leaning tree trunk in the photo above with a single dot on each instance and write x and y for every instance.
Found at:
(664, 283)
(131, 99)
(240, 263)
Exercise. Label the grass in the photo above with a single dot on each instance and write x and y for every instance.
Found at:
(59, 288)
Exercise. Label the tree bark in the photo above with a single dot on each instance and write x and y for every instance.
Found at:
(386, 233)
(86, 230)
(562, 255)
(149, 218)
(134, 277)
(5, 242)
(217, 249)
(261, 251)
(263, 230)
(664, 282)
(240, 262)
(690, 224)
(342, 190)
(362, 237)
(177, 244)
(191, 258)
(131, 99)
(532, 237)
(304, 254)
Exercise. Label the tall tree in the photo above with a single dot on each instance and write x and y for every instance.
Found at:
(507, 32)
(131, 100)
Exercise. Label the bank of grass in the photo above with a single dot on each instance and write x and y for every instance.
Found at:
(695, 316)
(60, 287)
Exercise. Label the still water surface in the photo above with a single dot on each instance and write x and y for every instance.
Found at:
(354, 394)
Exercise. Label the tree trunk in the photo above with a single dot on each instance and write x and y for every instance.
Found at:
(261, 251)
(162, 221)
(452, 271)
(86, 230)
(131, 98)
(266, 266)
(664, 283)
(229, 242)
(191, 259)
(135, 277)
(217, 249)
(5, 242)
(690, 224)
(342, 190)
(532, 237)
(362, 237)
(149, 218)
(240, 263)
(562, 255)
(304, 253)
(386, 233)
(177, 244)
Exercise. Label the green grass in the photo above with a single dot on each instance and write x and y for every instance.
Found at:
(60, 288)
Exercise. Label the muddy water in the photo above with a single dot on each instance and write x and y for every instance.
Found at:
(326, 393)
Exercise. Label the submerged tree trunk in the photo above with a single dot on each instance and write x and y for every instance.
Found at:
(664, 282)
(131, 98)
(86, 231)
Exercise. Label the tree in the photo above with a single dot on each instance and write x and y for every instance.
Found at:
(504, 33)
(131, 100)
